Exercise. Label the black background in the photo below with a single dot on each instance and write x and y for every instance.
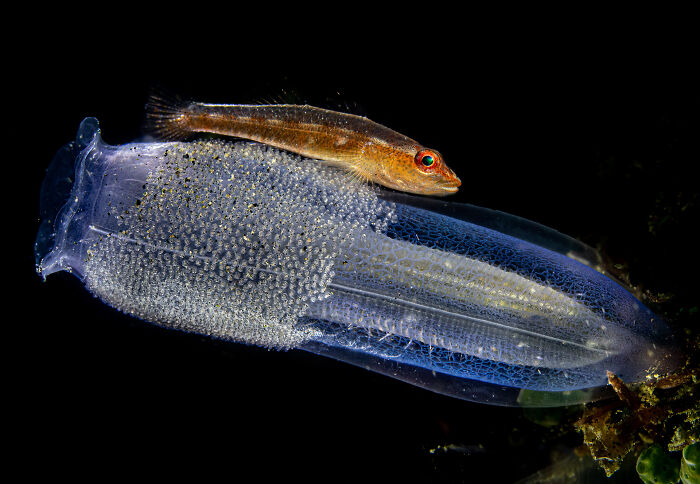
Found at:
(595, 140)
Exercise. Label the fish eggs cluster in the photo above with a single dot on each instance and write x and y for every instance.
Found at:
(231, 240)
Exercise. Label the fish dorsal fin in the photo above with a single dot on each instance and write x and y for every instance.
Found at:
(284, 96)
(334, 100)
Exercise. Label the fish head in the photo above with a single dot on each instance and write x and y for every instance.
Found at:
(425, 172)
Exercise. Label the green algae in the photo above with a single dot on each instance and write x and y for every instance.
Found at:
(655, 466)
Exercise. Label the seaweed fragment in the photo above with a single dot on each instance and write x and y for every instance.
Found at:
(665, 411)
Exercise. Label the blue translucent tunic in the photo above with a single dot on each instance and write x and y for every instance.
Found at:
(247, 243)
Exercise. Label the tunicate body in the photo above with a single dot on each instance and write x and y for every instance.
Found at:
(247, 243)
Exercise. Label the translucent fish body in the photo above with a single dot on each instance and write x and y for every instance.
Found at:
(247, 243)
(368, 150)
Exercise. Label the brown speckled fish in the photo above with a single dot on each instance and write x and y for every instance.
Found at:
(369, 150)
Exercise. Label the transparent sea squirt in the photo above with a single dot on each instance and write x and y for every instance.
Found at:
(247, 243)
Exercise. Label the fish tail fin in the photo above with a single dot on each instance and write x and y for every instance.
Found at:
(166, 115)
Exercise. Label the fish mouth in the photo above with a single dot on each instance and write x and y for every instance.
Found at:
(446, 191)
(442, 189)
(433, 187)
(450, 186)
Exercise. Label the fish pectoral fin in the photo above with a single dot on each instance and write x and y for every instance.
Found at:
(343, 158)
(348, 162)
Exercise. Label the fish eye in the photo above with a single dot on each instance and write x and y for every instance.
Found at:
(426, 159)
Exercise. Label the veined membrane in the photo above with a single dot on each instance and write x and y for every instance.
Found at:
(247, 243)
